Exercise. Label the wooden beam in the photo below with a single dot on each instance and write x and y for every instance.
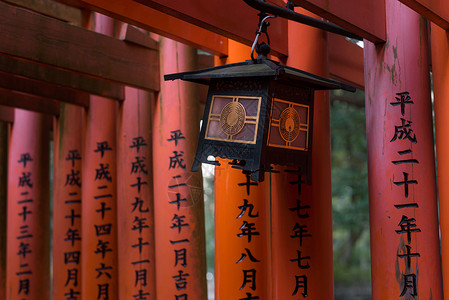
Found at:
(6, 114)
(235, 20)
(155, 21)
(43, 89)
(52, 9)
(60, 77)
(346, 61)
(436, 11)
(134, 35)
(45, 40)
(29, 102)
(365, 18)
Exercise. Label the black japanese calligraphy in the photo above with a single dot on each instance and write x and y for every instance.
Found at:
(137, 143)
(102, 147)
(248, 230)
(249, 277)
(175, 136)
(300, 231)
(181, 280)
(301, 283)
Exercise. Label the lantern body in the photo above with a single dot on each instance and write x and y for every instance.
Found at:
(258, 113)
(257, 121)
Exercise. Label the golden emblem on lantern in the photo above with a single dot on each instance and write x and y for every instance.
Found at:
(233, 119)
(289, 125)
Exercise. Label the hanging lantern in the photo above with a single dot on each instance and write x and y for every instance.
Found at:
(258, 113)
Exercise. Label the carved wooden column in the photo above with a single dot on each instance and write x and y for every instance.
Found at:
(302, 214)
(99, 194)
(67, 183)
(440, 70)
(242, 226)
(405, 252)
(28, 259)
(178, 195)
(3, 199)
(135, 219)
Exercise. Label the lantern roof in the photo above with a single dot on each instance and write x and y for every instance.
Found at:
(260, 68)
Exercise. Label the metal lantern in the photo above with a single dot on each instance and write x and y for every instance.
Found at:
(258, 113)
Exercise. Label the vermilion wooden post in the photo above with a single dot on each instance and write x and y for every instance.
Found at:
(440, 70)
(178, 197)
(3, 200)
(67, 219)
(135, 219)
(242, 226)
(28, 259)
(302, 215)
(403, 214)
(99, 194)
(99, 229)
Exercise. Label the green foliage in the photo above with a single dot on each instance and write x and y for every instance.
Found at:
(350, 191)
(209, 209)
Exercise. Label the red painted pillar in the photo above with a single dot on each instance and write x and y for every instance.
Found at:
(440, 70)
(405, 256)
(99, 229)
(28, 259)
(302, 219)
(178, 197)
(136, 261)
(67, 219)
(3, 200)
(99, 194)
(242, 226)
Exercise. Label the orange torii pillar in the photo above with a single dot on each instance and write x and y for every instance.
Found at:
(135, 193)
(302, 214)
(68, 130)
(242, 226)
(99, 194)
(28, 249)
(178, 197)
(3, 199)
(405, 252)
(440, 70)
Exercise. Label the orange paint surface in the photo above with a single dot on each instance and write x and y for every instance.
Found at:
(136, 261)
(178, 196)
(67, 202)
(435, 11)
(302, 225)
(440, 68)
(242, 225)
(28, 260)
(99, 194)
(4, 131)
(242, 236)
(132, 12)
(363, 17)
(403, 213)
(99, 207)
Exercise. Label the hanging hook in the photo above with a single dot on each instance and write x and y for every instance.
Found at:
(262, 29)
(289, 14)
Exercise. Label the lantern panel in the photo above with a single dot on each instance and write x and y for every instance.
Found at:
(218, 103)
(252, 107)
(214, 131)
(247, 134)
(233, 119)
(289, 125)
